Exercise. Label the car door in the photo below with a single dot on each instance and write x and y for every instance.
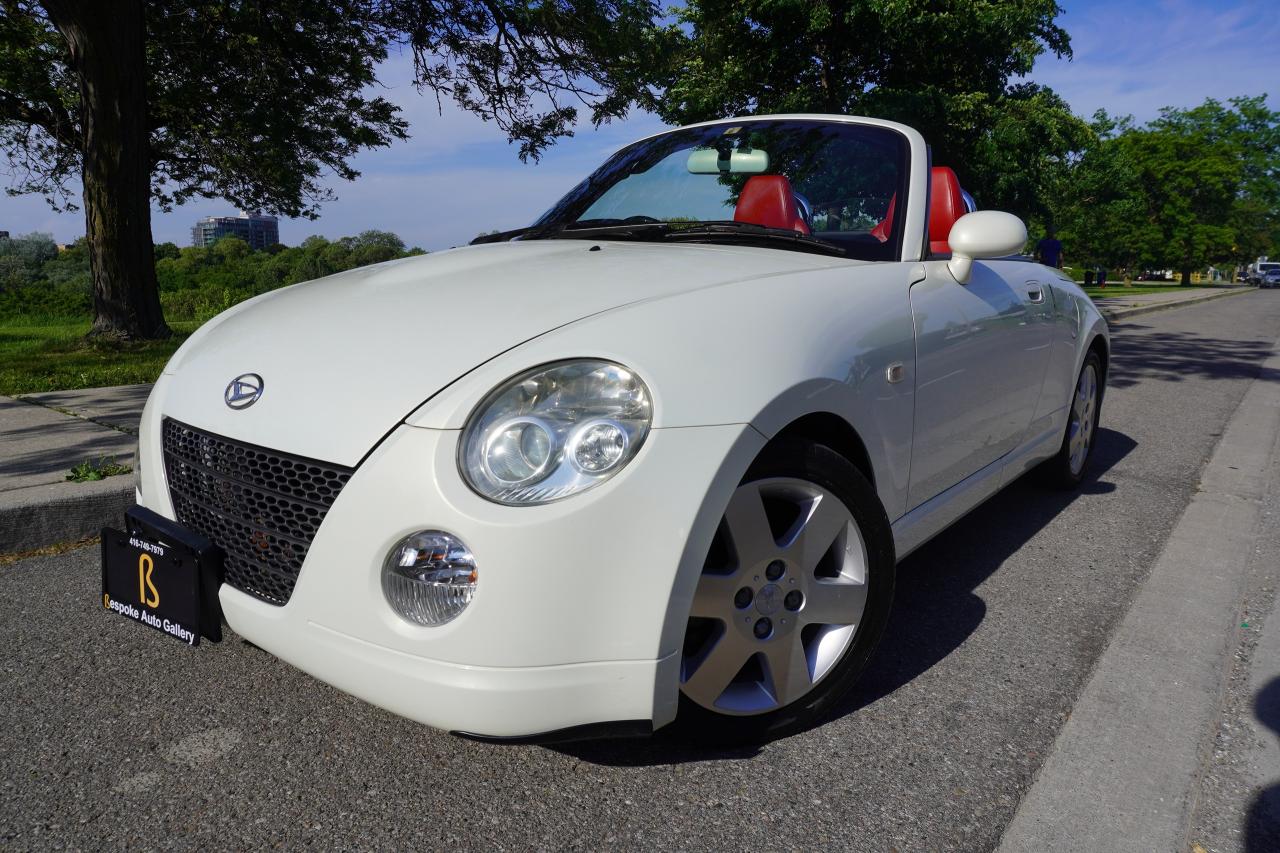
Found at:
(981, 353)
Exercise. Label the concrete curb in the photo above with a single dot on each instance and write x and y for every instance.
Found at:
(1114, 314)
(54, 518)
(1125, 768)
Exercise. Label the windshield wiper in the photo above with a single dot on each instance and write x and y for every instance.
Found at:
(728, 231)
(583, 228)
(748, 232)
(632, 228)
(500, 236)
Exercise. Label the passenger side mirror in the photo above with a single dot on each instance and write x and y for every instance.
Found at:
(983, 234)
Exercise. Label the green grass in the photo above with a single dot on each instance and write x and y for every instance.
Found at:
(52, 354)
(1118, 289)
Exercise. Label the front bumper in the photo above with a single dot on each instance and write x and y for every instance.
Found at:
(580, 605)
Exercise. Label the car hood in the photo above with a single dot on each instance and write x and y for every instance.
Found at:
(344, 359)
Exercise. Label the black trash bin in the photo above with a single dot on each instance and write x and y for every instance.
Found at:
(1088, 278)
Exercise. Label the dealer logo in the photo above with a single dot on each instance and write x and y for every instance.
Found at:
(243, 391)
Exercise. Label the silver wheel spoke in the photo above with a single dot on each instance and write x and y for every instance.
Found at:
(834, 603)
(827, 518)
(766, 626)
(788, 670)
(712, 594)
(714, 672)
(748, 525)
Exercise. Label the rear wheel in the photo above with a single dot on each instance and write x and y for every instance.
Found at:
(792, 598)
(1067, 468)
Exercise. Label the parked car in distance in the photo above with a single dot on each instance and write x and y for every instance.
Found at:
(1271, 278)
(650, 461)
(1259, 269)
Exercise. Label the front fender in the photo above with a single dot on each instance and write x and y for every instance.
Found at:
(762, 352)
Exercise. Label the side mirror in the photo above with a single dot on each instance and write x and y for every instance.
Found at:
(983, 234)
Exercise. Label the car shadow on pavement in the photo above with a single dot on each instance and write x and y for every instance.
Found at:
(936, 583)
(1140, 354)
(935, 588)
(1262, 829)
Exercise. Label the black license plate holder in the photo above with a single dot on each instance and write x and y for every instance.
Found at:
(162, 575)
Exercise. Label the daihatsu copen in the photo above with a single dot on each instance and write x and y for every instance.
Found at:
(648, 462)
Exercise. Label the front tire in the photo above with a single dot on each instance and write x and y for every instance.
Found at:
(792, 599)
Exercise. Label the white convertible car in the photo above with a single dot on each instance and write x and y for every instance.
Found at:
(651, 460)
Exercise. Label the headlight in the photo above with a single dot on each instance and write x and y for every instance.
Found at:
(555, 431)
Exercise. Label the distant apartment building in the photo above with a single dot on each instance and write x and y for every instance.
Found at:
(257, 230)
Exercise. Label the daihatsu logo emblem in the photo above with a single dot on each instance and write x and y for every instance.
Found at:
(243, 391)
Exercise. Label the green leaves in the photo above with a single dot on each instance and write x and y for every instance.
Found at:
(530, 65)
(257, 102)
(1193, 187)
(941, 66)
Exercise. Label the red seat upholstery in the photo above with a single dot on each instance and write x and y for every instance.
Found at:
(884, 230)
(946, 205)
(768, 200)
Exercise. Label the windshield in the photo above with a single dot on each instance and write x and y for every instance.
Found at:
(834, 182)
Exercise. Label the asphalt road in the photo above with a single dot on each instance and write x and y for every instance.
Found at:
(111, 735)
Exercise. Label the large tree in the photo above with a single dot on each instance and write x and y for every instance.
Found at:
(942, 66)
(160, 101)
(1191, 188)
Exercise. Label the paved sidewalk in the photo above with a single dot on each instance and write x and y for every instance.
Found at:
(1125, 772)
(1123, 305)
(42, 436)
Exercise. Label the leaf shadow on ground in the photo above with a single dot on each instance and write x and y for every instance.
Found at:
(1140, 354)
(935, 588)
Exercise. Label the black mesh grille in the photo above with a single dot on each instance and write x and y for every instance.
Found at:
(262, 507)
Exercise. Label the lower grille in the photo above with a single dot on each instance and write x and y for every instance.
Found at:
(262, 507)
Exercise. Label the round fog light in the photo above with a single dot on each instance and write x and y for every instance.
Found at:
(429, 577)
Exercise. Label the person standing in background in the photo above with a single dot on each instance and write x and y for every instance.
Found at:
(1049, 250)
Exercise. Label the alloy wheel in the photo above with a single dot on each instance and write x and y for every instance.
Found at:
(1084, 408)
(779, 601)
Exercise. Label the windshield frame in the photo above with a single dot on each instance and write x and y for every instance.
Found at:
(560, 217)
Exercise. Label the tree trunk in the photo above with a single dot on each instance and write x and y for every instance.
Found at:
(1186, 276)
(108, 53)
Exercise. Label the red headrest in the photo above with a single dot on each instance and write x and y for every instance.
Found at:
(884, 230)
(768, 200)
(946, 205)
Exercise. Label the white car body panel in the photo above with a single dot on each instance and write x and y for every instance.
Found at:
(423, 324)
(580, 608)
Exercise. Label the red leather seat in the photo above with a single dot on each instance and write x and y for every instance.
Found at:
(768, 200)
(946, 205)
(882, 231)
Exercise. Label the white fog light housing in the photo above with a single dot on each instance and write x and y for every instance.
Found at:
(555, 431)
(429, 577)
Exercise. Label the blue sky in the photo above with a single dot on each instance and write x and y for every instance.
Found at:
(457, 176)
